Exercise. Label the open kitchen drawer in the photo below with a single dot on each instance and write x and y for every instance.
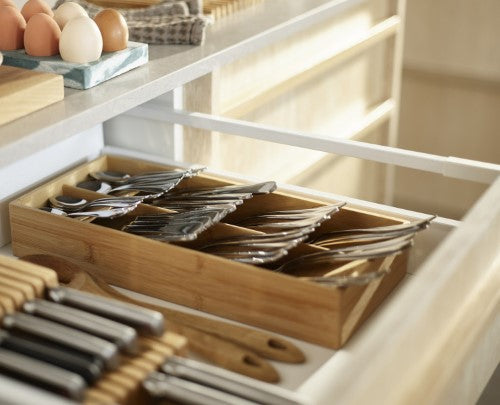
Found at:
(435, 338)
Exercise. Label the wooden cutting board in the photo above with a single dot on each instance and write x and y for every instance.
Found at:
(24, 91)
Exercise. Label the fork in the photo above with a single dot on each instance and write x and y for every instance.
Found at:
(249, 240)
(256, 255)
(256, 249)
(71, 204)
(364, 235)
(349, 253)
(253, 189)
(182, 226)
(290, 219)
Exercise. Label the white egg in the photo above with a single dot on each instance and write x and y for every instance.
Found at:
(68, 11)
(81, 41)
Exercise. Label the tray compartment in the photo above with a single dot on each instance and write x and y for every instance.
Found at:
(250, 294)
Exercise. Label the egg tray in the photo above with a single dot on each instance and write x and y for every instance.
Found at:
(166, 23)
(178, 272)
(82, 76)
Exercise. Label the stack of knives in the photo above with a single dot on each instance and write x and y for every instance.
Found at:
(60, 345)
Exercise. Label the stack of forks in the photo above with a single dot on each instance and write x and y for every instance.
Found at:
(177, 227)
(288, 228)
(147, 185)
(197, 209)
(187, 199)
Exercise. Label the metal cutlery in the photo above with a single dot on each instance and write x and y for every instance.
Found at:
(189, 374)
(256, 249)
(190, 198)
(17, 365)
(88, 368)
(265, 224)
(67, 336)
(253, 256)
(146, 192)
(365, 235)
(121, 335)
(72, 204)
(291, 219)
(142, 319)
(297, 235)
(166, 387)
(15, 392)
(227, 345)
(116, 177)
(253, 189)
(105, 213)
(181, 226)
(298, 214)
(349, 253)
(223, 380)
(168, 230)
(181, 206)
(101, 208)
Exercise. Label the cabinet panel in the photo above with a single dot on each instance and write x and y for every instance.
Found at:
(316, 93)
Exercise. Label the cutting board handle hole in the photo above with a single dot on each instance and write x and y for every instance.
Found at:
(276, 344)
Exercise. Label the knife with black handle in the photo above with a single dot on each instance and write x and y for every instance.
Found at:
(89, 369)
(41, 374)
(81, 341)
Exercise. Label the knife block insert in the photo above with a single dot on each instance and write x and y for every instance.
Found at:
(179, 273)
(21, 281)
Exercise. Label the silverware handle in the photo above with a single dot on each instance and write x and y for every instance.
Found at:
(15, 392)
(145, 320)
(64, 335)
(227, 381)
(89, 369)
(165, 388)
(51, 377)
(123, 336)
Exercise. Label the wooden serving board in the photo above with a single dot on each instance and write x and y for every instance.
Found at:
(24, 91)
(83, 76)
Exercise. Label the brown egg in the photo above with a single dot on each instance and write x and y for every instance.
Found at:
(12, 27)
(7, 3)
(34, 7)
(114, 30)
(41, 37)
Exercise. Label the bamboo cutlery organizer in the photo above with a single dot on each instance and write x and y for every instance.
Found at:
(177, 272)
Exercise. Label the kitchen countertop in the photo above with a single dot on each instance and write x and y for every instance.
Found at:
(169, 67)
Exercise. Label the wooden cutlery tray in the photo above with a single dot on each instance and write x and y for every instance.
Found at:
(283, 303)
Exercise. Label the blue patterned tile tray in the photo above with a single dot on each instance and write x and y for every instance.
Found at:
(82, 76)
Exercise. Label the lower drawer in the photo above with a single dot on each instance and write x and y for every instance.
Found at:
(444, 316)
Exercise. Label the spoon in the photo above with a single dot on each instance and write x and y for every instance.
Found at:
(68, 203)
(152, 190)
(122, 178)
(259, 188)
(111, 213)
(219, 341)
